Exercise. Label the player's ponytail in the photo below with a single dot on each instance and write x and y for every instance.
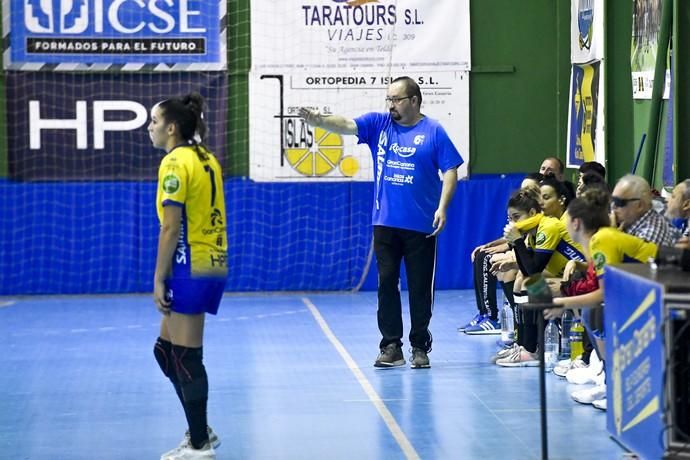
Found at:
(187, 114)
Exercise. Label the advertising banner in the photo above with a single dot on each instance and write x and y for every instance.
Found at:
(125, 35)
(586, 31)
(635, 363)
(284, 148)
(86, 127)
(361, 35)
(646, 24)
(586, 115)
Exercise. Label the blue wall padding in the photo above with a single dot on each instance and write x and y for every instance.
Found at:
(100, 237)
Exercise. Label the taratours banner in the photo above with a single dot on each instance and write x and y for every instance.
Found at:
(635, 364)
(129, 35)
(284, 148)
(363, 35)
(586, 31)
(585, 115)
(78, 127)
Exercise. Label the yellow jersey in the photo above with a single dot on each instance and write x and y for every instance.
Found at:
(551, 237)
(610, 246)
(196, 186)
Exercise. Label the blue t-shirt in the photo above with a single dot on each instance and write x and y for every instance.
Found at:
(407, 187)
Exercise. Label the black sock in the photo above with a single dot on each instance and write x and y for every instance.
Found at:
(193, 384)
(508, 291)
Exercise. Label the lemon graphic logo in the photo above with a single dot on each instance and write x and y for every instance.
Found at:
(325, 154)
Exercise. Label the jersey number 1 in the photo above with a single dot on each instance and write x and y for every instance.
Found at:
(212, 176)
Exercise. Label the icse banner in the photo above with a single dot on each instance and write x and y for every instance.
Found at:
(96, 35)
(284, 148)
(372, 36)
(586, 31)
(585, 115)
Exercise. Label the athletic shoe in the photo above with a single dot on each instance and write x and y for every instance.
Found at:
(600, 404)
(213, 439)
(504, 352)
(473, 322)
(587, 374)
(419, 359)
(589, 395)
(519, 358)
(565, 365)
(190, 453)
(391, 356)
(484, 327)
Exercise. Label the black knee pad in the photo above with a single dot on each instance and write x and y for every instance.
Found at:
(191, 373)
(162, 350)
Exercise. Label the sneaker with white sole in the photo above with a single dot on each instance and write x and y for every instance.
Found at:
(589, 395)
(600, 404)
(391, 356)
(562, 369)
(187, 440)
(486, 326)
(504, 352)
(188, 452)
(419, 359)
(587, 374)
(519, 358)
(473, 322)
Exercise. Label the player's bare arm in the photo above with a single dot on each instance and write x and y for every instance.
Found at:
(333, 123)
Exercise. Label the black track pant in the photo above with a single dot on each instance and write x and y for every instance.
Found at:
(392, 245)
(484, 285)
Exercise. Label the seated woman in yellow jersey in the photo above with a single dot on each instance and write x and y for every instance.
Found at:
(542, 245)
(191, 266)
(589, 225)
(485, 321)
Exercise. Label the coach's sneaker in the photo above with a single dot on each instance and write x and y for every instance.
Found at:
(188, 452)
(419, 359)
(564, 366)
(485, 327)
(391, 356)
(473, 322)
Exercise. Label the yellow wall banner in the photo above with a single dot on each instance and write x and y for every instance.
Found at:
(585, 117)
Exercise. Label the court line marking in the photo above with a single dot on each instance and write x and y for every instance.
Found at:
(392, 425)
(7, 303)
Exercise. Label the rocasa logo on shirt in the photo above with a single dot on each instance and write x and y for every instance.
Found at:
(402, 151)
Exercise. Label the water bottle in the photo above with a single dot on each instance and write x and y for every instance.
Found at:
(551, 339)
(507, 323)
(576, 347)
(566, 325)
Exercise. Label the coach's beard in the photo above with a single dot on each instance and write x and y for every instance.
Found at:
(395, 115)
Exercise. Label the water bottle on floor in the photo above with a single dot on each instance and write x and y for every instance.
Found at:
(551, 339)
(507, 324)
(576, 347)
(566, 325)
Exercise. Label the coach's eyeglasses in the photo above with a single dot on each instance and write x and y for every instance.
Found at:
(618, 202)
(396, 100)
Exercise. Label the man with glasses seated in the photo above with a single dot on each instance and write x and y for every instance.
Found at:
(631, 203)
(410, 203)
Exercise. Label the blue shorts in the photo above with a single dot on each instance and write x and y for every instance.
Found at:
(192, 296)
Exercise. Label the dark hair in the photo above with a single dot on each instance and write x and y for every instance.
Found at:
(594, 180)
(523, 200)
(561, 167)
(535, 176)
(186, 112)
(411, 87)
(561, 189)
(592, 207)
(592, 166)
